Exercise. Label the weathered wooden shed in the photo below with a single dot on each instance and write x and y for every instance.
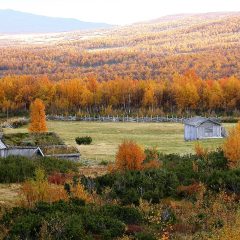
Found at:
(202, 128)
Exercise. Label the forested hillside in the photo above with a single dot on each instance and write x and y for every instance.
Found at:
(207, 43)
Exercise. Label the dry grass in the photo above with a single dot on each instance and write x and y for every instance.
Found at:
(9, 194)
(166, 137)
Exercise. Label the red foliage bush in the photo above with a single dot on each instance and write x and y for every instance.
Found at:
(58, 178)
(132, 229)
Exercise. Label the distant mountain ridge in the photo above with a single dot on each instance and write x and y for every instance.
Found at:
(19, 22)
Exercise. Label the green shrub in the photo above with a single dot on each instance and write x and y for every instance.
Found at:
(67, 220)
(15, 169)
(99, 224)
(144, 236)
(51, 165)
(128, 215)
(104, 163)
(225, 180)
(83, 140)
(182, 166)
(130, 186)
(26, 226)
(74, 227)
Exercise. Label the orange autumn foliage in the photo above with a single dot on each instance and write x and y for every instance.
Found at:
(130, 156)
(230, 231)
(231, 147)
(78, 191)
(200, 150)
(38, 117)
(153, 161)
(186, 92)
(153, 164)
(40, 190)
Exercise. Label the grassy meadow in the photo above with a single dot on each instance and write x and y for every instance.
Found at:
(166, 137)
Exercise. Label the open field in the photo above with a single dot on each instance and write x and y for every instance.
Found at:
(166, 137)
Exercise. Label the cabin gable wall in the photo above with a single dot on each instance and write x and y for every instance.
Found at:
(209, 130)
(190, 132)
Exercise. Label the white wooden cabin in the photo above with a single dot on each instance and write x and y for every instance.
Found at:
(197, 128)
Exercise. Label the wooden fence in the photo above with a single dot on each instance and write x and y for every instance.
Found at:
(138, 119)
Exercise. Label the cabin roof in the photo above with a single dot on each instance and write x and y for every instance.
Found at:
(29, 151)
(197, 121)
(2, 145)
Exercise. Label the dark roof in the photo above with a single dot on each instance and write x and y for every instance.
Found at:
(197, 121)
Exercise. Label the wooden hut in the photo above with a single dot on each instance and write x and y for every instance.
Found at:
(202, 128)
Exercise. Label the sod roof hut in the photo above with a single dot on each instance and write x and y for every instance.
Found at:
(23, 144)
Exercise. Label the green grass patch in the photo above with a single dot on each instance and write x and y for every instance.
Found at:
(166, 137)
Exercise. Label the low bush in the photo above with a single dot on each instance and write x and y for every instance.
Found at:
(83, 140)
(66, 220)
(182, 167)
(130, 186)
(228, 181)
(128, 215)
(104, 163)
(51, 165)
(144, 236)
(15, 169)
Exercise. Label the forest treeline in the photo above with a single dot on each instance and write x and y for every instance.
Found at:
(184, 93)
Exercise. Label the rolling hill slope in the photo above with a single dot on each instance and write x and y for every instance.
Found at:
(208, 43)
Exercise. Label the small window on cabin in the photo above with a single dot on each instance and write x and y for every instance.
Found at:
(208, 131)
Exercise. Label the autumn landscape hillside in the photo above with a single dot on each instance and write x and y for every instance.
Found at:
(130, 132)
(208, 43)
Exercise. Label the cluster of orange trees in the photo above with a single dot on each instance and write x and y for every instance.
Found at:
(187, 92)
